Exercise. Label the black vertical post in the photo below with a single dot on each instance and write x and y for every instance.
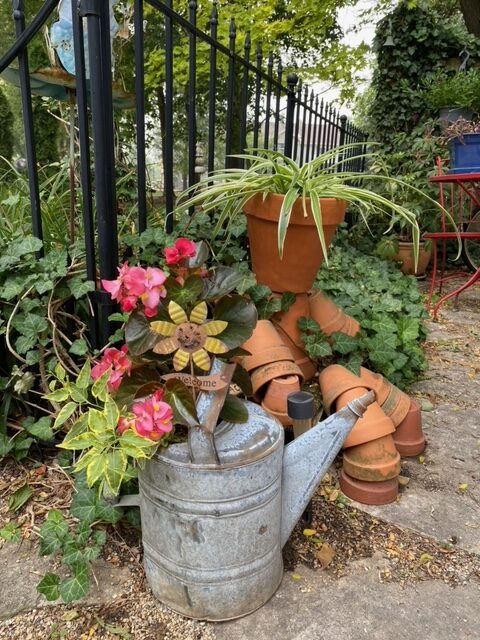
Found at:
(258, 94)
(100, 58)
(140, 116)
(168, 133)
(230, 94)
(315, 127)
(298, 101)
(277, 105)
(309, 132)
(343, 131)
(212, 96)
(243, 106)
(292, 80)
(268, 101)
(321, 124)
(304, 125)
(85, 160)
(28, 125)
(192, 91)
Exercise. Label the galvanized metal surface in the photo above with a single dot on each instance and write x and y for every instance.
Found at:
(308, 457)
(213, 534)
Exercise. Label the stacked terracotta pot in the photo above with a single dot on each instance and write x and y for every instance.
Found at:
(278, 362)
(390, 427)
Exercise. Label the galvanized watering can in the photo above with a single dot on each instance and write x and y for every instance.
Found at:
(213, 531)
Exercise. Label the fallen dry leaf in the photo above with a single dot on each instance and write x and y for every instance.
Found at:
(325, 554)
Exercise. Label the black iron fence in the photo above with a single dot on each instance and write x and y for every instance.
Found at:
(247, 103)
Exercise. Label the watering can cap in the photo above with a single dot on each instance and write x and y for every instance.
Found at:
(300, 405)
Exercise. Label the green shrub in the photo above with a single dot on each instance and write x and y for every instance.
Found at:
(6, 128)
(389, 308)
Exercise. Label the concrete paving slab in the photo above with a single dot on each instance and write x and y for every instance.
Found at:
(360, 607)
(21, 569)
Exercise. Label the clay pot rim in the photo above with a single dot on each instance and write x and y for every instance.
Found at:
(268, 208)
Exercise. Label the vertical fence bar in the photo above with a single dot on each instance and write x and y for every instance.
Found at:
(343, 133)
(243, 106)
(168, 133)
(140, 116)
(230, 94)
(212, 95)
(268, 101)
(298, 100)
(192, 95)
(85, 160)
(315, 126)
(100, 58)
(28, 125)
(304, 124)
(309, 133)
(258, 94)
(320, 129)
(325, 128)
(292, 80)
(277, 105)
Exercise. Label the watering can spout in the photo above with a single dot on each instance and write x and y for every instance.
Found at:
(308, 457)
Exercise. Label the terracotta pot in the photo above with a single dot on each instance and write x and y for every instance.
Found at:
(405, 256)
(307, 366)
(374, 461)
(394, 402)
(265, 346)
(288, 320)
(369, 492)
(397, 405)
(267, 372)
(302, 252)
(277, 391)
(335, 380)
(281, 416)
(372, 425)
(376, 382)
(330, 317)
(408, 437)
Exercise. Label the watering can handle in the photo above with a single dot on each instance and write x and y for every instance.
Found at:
(201, 442)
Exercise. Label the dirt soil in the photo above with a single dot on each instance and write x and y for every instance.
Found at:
(339, 532)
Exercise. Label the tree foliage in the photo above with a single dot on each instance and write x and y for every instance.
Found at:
(6, 127)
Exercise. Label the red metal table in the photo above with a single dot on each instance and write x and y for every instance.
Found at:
(462, 199)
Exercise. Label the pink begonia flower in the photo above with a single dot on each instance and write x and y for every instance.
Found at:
(124, 424)
(153, 417)
(183, 248)
(134, 283)
(154, 290)
(118, 362)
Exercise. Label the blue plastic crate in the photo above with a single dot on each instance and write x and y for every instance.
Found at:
(465, 157)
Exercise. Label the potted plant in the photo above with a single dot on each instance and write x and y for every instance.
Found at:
(130, 402)
(292, 211)
(463, 137)
(454, 95)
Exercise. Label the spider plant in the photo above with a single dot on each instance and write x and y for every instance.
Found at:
(268, 171)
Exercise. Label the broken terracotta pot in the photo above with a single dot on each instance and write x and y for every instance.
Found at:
(329, 317)
(394, 402)
(335, 380)
(373, 424)
(288, 320)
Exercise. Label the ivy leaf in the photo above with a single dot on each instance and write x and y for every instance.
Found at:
(6, 445)
(41, 429)
(49, 586)
(180, 398)
(77, 586)
(11, 532)
(308, 324)
(88, 506)
(53, 532)
(79, 347)
(344, 344)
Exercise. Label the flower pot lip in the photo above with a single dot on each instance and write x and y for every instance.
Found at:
(268, 208)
